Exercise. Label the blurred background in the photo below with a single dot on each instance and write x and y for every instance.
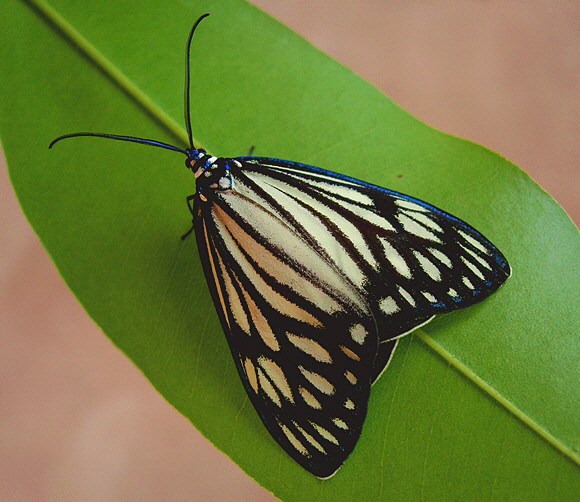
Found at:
(79, 422)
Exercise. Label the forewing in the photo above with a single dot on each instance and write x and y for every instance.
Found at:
(303, 338)
(409, 259)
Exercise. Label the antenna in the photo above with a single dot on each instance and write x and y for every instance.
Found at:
(152, 142)
(188, 81)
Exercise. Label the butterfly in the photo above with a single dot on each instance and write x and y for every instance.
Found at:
(315, 276)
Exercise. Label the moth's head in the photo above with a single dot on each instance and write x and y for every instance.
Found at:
(212, 174)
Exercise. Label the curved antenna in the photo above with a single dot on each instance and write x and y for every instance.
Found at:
(132, 139)
(187, 82)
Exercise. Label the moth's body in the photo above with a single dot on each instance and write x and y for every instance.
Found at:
(315, 276)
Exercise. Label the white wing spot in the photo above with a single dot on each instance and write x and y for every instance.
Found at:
(358, 333)
(251, 374)
(349, 353)
(406, 204)
(428, 266)
(324, 433)
(395, 258)
(473, 268)
(428, 222)
(467, 282)
(476, 257)
(350, 377)
(309, 399)
(261, 324)
(277, 376)
(388, 305)
(214, 273)
(268, 388)
(411, 226)
(429, 297)
(406, 296)
(348, 404)
(349, 193)
(294, 440)
(234, 300)
(482, 262)
(442, 257)
(475, 243)
(310, 439)
(367, 215)
(340, 423)
(310, 347)
(321, 383)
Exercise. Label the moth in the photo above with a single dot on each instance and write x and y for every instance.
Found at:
(315, 276)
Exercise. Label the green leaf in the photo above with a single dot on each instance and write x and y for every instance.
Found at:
(482, 404)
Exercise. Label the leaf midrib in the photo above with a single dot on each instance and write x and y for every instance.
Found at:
(497, 396)
(110, 70)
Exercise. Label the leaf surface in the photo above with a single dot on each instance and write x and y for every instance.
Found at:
(483, 404)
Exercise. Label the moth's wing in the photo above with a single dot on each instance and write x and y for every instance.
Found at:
(301, 335)
(409, 259)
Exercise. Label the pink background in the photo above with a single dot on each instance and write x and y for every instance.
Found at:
(79, 422)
